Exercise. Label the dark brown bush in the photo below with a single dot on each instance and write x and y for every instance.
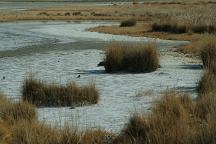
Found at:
(128, 23)
(166, 27)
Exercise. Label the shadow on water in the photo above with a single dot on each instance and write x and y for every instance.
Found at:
(191, 66)
(90, 72)
(87, 72)
(45, 48)
(186, 89)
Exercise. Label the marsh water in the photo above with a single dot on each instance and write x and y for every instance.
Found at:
(59, 51)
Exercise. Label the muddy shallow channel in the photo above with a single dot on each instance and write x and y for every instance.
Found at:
(59, 51)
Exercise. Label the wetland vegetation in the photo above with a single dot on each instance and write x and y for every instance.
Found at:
(174, 117)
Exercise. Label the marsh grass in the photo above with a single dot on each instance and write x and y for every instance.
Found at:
(120, 57)
(207, 83)
(206, 106)
(34, 132)
(194, 20)
(208, 53)
(41, 93)
(176, 118)
(19, 125)
(97, 137)
(16, 111)
(169, 122)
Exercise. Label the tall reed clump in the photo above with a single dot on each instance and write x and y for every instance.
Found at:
(207, 83)
(169, 122)
(206, 107)
(34, 132)
(206, 104)
(43, 94)
(121, 57)
(208, 53)
(174, 119)
(16, 111)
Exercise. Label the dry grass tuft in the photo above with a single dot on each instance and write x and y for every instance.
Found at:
(33, 132)
(43, 94)
(206, 106)
(169, 122)
(174, 119)
(208, 53)
(137, 58)
(207, 134)
(128, 23)
(97, 137)
(207, 84)
(16, 111)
